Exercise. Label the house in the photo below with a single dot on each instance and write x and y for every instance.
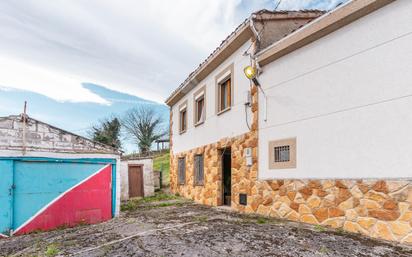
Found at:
(52, 178)
(322, 135)
(137, 177)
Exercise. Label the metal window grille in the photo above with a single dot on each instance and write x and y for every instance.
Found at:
(199, 170)
(282, 153)
(182, 170)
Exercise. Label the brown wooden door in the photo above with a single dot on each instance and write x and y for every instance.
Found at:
(136, 181)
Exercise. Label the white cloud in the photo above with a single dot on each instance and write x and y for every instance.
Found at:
(55, 85)
(145, 48)
(309, 4)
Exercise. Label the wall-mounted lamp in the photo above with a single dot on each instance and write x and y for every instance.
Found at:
(251, 73)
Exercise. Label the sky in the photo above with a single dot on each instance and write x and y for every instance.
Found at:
(135, 50)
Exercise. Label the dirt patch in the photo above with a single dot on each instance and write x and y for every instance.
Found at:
(181, 228)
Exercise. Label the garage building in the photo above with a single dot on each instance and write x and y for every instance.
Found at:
(53, 178)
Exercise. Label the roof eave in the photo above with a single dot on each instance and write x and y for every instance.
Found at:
(319, 28)
(234, 43)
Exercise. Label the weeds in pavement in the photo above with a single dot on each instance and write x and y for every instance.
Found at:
(340, 231)
(320, 228)
(323, 249)
(133, 204)
(52, 250)
(261, 220)
(201, 218)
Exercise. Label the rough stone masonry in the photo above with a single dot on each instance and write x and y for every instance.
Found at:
(375, 208)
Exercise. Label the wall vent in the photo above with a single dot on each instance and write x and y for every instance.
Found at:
(243, 199)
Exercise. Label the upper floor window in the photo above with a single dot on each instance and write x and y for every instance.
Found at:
(224, 90)
(199, 106)
(183, 117)
(225, 95)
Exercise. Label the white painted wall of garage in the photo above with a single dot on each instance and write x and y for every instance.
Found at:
(347, 98)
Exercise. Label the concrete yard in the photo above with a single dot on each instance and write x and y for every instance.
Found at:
(182, 228)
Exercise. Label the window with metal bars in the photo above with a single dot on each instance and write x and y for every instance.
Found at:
(282, 153)
(199, 170)
(181, 167)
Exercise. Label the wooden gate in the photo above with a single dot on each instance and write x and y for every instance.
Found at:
(136, 181)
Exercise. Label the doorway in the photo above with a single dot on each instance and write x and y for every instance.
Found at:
(136, 181)
(227, 176)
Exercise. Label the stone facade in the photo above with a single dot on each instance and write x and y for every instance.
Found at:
(375, 208)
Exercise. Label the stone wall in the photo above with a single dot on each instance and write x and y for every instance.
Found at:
(44, 137)
(375, 208)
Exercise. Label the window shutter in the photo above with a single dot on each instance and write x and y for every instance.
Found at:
(196, 170)
(199, 170)
(201, 173)
(181, 170)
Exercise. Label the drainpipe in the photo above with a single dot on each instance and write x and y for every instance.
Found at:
(256, 64)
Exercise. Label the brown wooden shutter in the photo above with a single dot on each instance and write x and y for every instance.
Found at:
(182, 170)
(201, 170)
(198, 170)
(229, 93)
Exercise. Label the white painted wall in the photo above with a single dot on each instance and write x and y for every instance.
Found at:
(148, 183)
(347, 98)
(215, 127)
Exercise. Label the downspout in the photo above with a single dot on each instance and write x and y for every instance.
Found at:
(256, 63)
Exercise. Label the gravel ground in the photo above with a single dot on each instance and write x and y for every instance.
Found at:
(181, 228)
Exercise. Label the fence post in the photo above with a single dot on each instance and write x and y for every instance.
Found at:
(161, 175)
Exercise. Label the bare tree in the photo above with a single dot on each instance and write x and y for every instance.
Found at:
(143, 124)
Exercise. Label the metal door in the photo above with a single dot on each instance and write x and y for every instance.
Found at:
(42, 194)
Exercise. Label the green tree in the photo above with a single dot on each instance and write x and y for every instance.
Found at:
(144, 125)
(107, 132)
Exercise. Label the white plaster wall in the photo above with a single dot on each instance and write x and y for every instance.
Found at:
(347, 98)
(148, 183)
(215, 127)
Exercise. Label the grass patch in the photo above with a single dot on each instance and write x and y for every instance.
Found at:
(201, 218)
(324, 249)
(162, 162)
(320, 228)
(52, 250)
(132, 205)
(261, 220)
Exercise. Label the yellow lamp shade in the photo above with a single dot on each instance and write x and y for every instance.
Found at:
(250, 72)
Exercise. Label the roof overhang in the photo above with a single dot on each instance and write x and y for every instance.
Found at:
(241, 35)
(319, 28)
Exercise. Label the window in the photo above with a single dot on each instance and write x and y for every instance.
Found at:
(183, 117)
(199, 170)
(224, 89)
(181, 168)
(225, 95)
(199, 106)
(282, 154)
